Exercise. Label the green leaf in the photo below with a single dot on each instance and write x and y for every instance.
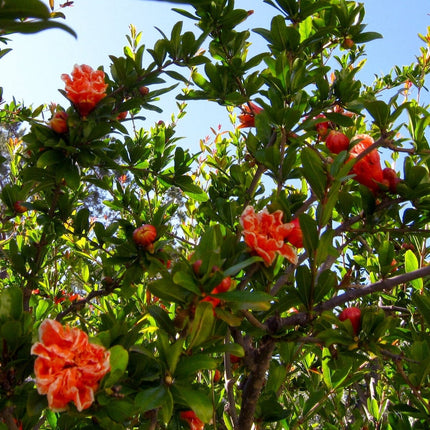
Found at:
(313, 403)
(310, 232)
(50, 158)
(234, 270)
(339, 119)
(313, 171)
(326, 370)
(162, 319)
(231, 348)
(11, 303)
(82, 223)
(167, 408)
(327, 282)
(202, 326)
(120, 409)
(196, 400)
(70, 173)
(254, 300)
(189, 365)
(422, 302)
(35, 404)
(304, 284)
(151, 398)
(380, 112)
(411, 264)
(373, 408)
(118, 364)
(165, 289)
(11, 331)
(367, 37)
(186, 280)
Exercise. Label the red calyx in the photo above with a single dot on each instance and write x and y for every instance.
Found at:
(295, 237)
(145, 235)
(337, 142)
(19, 207)
(391, 178)
(354, 315)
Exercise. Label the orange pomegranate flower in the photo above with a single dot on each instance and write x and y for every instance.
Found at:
(68, 368)
(191, 418)
(85, 88)
(247, 118)
(265, 234)
(222, 287)
(367, 170)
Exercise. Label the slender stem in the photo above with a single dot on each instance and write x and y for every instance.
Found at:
(229, 384)
(414, 389)
(253, 321)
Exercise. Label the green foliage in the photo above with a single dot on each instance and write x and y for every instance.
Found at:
(200, 296)
(28, 16)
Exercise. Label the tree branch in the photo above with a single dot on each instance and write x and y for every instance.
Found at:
(303, 318)
(252, 389)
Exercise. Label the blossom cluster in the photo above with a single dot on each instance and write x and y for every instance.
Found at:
(266, 234)
(68, 367)
(85, 88)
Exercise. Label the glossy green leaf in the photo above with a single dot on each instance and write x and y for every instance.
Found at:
(189, 366)
(11, 303)
(187, 281)
(253, 300)
(310, 232)
(313, 171)
(118, 364)
(411, 264)
(202, 326)
(196, 400)
(150, 398)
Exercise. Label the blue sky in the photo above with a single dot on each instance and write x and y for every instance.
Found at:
(31, 72)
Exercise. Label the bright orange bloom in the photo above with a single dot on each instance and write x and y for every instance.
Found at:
(265, 233)
(85, 88)
(68, 367)
(222, 287)
(247, 118)
(191, 418)
(367, 170)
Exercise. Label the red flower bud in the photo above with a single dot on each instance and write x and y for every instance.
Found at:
(247, 118)
(347, 43)
(337, 142)
(144, 235)
(368, 169)
(196, 266)
(223, 286)
(19, 207)
(144, 90)
(191, 418)
(217, 376)
(295, 237)
(354, 315)
(323, 128)
(392, 179)
(58, 122)
(234, 358)
(122, 115)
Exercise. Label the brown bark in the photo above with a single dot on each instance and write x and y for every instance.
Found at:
(251, 392)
